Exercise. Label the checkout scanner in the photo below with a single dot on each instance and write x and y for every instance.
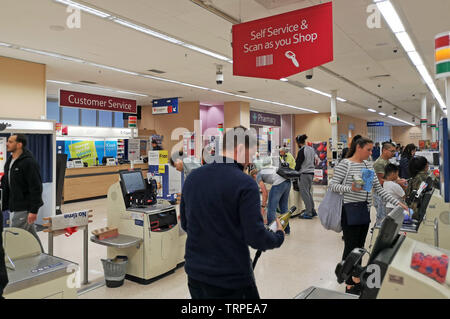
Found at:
(33, 274)
(108, 161)
(394, 255)
(431, 224)
(75, 163)
(149, 232)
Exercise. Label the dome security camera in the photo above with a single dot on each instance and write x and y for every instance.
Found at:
(219, 78)
(309, 74)
(219, 75)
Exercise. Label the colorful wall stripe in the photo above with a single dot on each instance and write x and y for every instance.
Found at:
(442, 55)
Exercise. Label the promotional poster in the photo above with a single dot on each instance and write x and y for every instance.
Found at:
(321, 165)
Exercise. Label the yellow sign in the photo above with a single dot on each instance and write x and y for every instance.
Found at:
(84, 150)
(162, 169)
(163, 157)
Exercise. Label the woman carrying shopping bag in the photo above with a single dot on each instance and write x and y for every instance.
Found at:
(355, 218)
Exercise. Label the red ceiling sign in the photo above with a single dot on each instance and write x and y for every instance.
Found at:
(286, 44)
(96, 102)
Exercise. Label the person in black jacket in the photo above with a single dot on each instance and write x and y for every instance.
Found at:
(220, 210)
(22, 185)
(408, 153)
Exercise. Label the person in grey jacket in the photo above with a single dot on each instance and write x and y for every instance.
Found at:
(305, 164)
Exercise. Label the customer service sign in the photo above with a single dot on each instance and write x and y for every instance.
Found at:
(286, 44)
(96, 102)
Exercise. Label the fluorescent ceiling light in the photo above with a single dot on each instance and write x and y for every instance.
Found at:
(2, 44)
(59, 82)
(372, 110)
(53, 55)
(382, 114)
(284, 80)
(147, 31)
(207, 52)
(390, 15)
(97, 87)
(397, 119)
(132, 93)
(317, 91)
(405, 41)
(415, 58)
(110, 68)
(323, 93)
(424, 73)
(84, 8)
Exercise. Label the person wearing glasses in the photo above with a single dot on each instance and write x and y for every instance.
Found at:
(388, 151)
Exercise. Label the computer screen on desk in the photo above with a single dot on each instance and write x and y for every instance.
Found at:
(132, 181)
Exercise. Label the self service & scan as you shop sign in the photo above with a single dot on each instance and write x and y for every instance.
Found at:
(283, 45)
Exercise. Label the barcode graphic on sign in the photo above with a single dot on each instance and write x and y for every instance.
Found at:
(264, 60)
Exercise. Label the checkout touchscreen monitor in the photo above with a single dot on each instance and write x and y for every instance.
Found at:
(132, 181)
(388, 232)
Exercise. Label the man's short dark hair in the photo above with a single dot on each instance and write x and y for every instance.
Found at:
(387, 145)
(21, 138)
(238, 134)
(389, 169)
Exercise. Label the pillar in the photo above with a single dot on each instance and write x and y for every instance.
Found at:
(423, 118)
(333, 119)
(447, 95)
(433, 123)
(235, 114)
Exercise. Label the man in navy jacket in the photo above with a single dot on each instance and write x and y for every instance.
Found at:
(221, 213)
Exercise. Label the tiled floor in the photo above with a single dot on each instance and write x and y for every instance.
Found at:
(307, 257)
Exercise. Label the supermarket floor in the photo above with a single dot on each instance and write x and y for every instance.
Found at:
(307, 257)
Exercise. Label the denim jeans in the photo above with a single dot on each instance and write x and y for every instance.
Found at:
(278, 197)
(380, 206)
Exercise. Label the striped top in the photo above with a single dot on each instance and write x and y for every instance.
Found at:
(350, 196)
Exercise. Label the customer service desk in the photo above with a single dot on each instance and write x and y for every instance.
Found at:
(88, 182)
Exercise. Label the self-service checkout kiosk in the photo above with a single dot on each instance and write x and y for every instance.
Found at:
(33, 274)
(398, 267)
(431, 223)
(149, 232)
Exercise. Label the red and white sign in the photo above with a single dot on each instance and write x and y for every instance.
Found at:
(286, 44)
(162, 110)
(96, 102)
